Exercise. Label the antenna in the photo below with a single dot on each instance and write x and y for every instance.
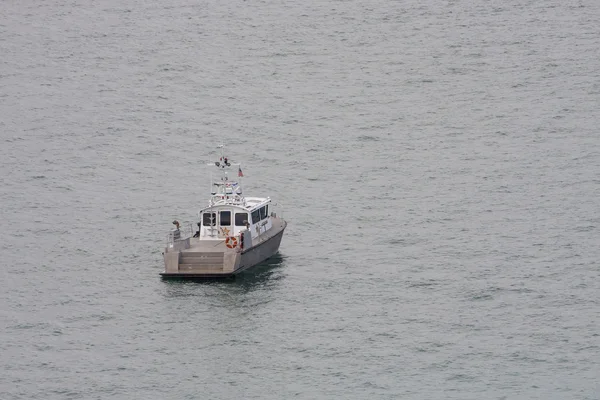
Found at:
(229, 187)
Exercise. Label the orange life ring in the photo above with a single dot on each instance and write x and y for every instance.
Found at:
(231, 242)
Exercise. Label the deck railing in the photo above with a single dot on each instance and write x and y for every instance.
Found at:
(183, 233)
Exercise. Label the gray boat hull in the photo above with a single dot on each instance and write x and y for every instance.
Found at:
(261, 252)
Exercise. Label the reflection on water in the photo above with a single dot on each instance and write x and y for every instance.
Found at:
(266, 274)
(223, 304)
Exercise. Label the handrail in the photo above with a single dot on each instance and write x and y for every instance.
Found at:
(227, 199)
(183, 233)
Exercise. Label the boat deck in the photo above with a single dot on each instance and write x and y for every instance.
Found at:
(196, 245)
(206, 258)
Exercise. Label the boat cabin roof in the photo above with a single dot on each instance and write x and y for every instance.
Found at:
(245, 203)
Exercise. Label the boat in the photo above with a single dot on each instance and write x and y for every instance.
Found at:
(233, 233)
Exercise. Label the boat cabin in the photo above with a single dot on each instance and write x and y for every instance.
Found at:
(230, 213)
(229, 219)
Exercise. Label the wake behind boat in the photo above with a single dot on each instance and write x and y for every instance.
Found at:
(234, 233)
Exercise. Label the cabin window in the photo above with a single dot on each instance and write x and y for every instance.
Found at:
(209, 219)
(263, 212)
(255, 216)
(225, 218)
(241, 219)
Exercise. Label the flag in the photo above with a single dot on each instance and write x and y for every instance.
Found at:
(240, 173)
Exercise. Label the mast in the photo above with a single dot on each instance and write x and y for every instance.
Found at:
(229, 188)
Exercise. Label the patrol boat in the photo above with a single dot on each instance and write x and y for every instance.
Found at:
(233, 233)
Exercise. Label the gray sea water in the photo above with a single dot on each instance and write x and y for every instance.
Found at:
(437, 161)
